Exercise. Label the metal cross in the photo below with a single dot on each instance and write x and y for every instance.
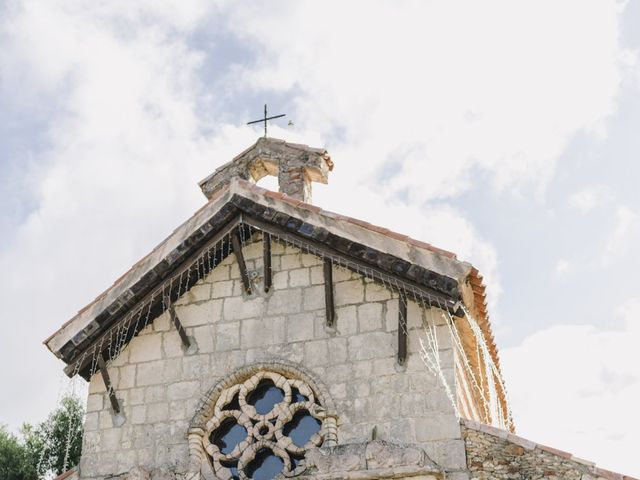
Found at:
(265, 119)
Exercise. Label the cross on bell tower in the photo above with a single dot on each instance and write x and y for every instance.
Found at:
(265, 120)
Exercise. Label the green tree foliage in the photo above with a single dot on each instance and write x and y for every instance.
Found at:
(14, 464)
(53, 446)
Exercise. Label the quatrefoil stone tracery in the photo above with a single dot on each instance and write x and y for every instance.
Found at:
(265, 431)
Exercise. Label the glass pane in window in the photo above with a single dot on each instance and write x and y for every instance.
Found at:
(228, 435)
(265, 396)
(265, 466)
(301, 428)
(296, 396)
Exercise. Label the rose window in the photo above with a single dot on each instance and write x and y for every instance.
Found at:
(262, 428)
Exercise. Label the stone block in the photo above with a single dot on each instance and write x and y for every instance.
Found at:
(96, 385)
(414, 315)
(360, 388)
(172, 345)
(337, 350)
(227, 336)
(198, 293)
(338, 390)
(300, 327)
(316, 353)
(375, 292)
(422, 381)
(437, 427)
(94, 402)
(339, 372)
(183, 390)
(347, 320)
(157, 412)
(127, 377)
(370, 317)
(363, 369)
(156, 393)
(366, 346)
(317, 275)
(91, 421)
(290, 262)
(310, 260)
(293, 352)
(172, 370)
(223, 363)
(253, 355)
(299, 277)
(195, 367)
(449, 454)
(162, 323)
(234, 272)
(204, 338)
(349, 292)
(146, 348)
(150, 373)
(280, 280)
(237, 308)
(313, 298)
(253, 250)
(138, 414)
(391, 315)
(194, 315)
(110, 439)
(260, 332)
(285, 301)
(222, 289)
(136, 396)
(341, 274)
(125, 460)
(177, 410)
(219, 273)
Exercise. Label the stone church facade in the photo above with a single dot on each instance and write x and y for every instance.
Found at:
(266, 338)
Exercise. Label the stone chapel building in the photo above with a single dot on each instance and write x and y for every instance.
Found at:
(267, 338)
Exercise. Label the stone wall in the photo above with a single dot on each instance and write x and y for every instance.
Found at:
(497, 454)
(160, 386)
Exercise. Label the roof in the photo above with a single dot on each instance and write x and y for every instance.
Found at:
(416, 263)
(530, 445)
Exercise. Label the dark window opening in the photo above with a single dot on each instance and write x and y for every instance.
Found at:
(265, 466)
(228, 435)
(301, 428)
(265, 397)
(234, 404)
(233, 468)
(296, 396)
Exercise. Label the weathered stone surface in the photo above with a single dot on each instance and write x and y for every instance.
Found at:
(356, 360)
(491, 457)
(138, 473)
(370, 460)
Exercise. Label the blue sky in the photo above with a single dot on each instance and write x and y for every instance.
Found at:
(505, 131)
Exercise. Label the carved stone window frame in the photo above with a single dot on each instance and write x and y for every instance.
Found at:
(284, 375)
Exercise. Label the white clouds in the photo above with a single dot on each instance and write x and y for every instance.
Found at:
(417, 101)
(118, 175)
(447, 87)
(589, 197)
(623, 235)
(562, 267)
(576, 387)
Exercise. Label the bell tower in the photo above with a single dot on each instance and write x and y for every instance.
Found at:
(295, 165)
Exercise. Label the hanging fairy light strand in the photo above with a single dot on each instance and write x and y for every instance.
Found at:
(215, 252)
